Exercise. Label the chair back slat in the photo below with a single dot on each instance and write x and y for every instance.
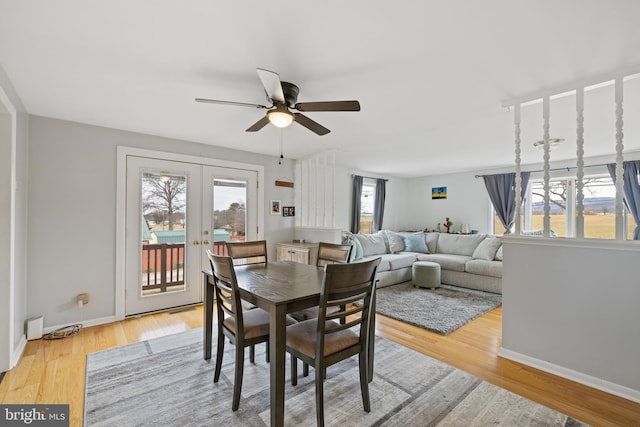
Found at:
(330, 253)
(346, 284)
(251, 252)
(226, 289)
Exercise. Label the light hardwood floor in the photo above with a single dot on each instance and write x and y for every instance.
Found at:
(54, 371)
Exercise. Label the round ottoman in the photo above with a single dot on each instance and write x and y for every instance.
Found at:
(426, 274)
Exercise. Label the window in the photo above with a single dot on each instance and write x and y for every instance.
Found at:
(599, 208)
(367, 204)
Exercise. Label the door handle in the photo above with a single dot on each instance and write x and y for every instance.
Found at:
(195, 242)
(205, 242)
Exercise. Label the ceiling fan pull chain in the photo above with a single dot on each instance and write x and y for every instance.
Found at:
(281, 136)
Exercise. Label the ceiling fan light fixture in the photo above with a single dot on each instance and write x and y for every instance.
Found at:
(553, 143)
(280, 117)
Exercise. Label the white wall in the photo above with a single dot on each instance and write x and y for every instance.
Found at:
(323, 178)
(72, 212)
(571, 307)
(467, 202)
(5, 243)
(13, 225)
(397, 201)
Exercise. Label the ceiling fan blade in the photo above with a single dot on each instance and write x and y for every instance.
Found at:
(328, 106)
(312, 125)
(258, 125)
(239, 104)
(272, 85)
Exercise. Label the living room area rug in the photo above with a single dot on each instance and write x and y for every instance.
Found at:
(165, 381)
(442, 310)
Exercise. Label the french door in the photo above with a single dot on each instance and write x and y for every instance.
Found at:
(175, 211)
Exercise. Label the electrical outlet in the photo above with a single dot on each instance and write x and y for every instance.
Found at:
(82, 299)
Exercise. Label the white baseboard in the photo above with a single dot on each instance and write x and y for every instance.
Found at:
(85, 323)
(570, 374)
(17, 352)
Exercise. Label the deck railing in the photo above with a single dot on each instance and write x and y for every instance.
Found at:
(163, 265)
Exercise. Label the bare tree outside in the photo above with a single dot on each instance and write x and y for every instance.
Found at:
(558, 190)
(164, 198)
(233, 218)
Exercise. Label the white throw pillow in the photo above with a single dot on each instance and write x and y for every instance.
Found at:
(499, 254)
(487, 249)
(396, 242)
(372, 244)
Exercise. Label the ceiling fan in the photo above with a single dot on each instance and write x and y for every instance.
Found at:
(283, 97)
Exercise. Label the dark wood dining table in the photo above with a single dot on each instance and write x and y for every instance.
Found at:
(278, 288)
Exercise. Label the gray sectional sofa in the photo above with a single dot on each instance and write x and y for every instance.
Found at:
(472, 261)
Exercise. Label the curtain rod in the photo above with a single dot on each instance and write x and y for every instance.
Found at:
(567, 168)
(368, 177)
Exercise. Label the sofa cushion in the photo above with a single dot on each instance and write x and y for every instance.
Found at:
(396, 241)
(458, 244)
(415, 243)
(487, 248)
(446, 261)
(432, 241)
(484, 267)
(384, 261)
(401, 260)
(372, 244)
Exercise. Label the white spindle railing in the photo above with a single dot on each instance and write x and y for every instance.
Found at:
(545, 97)
(619, 159)
(545, 127)
(516, 121)
(580, 163)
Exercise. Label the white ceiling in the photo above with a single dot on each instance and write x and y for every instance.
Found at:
(430, 75)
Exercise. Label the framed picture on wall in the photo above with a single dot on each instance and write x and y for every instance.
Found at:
(275, 207)
(439, 192)
(288, 211)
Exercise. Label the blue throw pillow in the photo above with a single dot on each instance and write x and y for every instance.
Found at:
(415, 243)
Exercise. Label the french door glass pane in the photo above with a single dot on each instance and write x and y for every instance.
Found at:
(164, 226)
(229, 213)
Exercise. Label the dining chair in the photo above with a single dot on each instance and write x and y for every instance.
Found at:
(243, 329)
(328, 253)
(323, 342)
(249, 252)
(332, 253)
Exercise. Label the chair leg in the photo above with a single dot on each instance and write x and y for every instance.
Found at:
(305, 370)
(219, 353)
(364, 382)
(237, 380)
(267, 354)
(294, 370)
(252, 354)
(319, 397)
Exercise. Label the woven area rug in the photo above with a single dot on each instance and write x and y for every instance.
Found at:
(442, 310)
(165, 382)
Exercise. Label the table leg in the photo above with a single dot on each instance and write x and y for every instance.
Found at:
(277, 348)
(208, 315)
